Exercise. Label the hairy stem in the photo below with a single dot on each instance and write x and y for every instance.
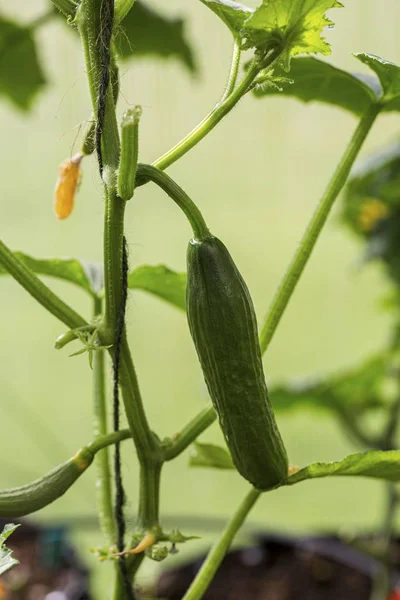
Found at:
(217, 553)
(177, 194)
(89, 25)
(100, 425)
(233, 73)
(148, 447)
(109, 440)
(36, 288)
(189, 433)
(314, 228)
(210, 121)
(148, 516)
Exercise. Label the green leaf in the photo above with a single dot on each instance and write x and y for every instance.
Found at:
(389, 76)
(21, 75)
(361, 389)
(315, 80)
(7, 562)
(145, 32)
(231, 13)
(162, 282)
(376, 464)
(210, 456)
(293, 26)
(86, 275)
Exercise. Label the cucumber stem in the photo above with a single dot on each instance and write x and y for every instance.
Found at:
(233, 73)
(209, 122)
(190, 432)
(176, 193)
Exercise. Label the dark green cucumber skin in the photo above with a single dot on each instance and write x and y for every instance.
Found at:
(223, 326)
(26, 499)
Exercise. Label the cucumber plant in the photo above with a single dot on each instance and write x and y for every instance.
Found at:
(271, 48)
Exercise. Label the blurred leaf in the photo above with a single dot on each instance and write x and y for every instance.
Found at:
(377, 464)
(210, 456)
(389, 76)
(145, 32)
(295, 25)
(360, 389)
(375, 179)
(86, 275)
(231, 13)
(21, 75)
(162, 282)
(371, 207)
(317, 81)
(7, 562)
(366, 386)
(300, 394)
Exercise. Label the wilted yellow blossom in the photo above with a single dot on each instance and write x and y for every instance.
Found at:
(67, 183)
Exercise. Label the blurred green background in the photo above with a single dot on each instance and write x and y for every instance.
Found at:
(257, 178)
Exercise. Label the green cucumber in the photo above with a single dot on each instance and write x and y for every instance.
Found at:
(26, 499)
(223, 326)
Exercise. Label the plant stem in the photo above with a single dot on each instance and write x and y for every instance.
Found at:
(148, 516)
(233, 73)
(113, 234)
(147, 444)
(210, 121)
(148, 447)
(109, 439)
(217, 553)
(189, 433)
(88, 19)
(34, 286)
(176, 193)
(103, 483)
(315, 226)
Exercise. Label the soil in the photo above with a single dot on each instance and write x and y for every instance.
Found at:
(273, 568)
(283, 568)
(49, 568)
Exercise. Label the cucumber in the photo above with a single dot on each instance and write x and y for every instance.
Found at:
(223, 326)
(26, 499)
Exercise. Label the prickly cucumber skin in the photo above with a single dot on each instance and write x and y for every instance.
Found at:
(223, 326)
(26, 499)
